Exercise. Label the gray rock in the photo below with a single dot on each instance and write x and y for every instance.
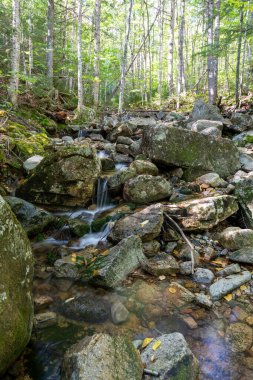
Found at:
(241, 121)
(117, 180)
(135, 148)
(151, 248)
(203, 300)
(124, 140)
(141, 123)
(226, 285)
(212, 179)
(121, 130)
(211, 131)
(68, 140)
(66, 268)
(186, 149)
(204, 111)
(144, 167)
(119, 313)
(201, 125)
(122, 148)
(173, 359)
(180, 296)
(146, 223)
(239, 337)
(204, 276)
(246, 162)
(146, 188)
(230, 269)
(244, 255)
(185, 268)
(243, 138)
(161, 264)
(101, 357)
(235, 238)
(121, 260)
(16, 275)
(46, 319)
(32, 218)
(32, 162)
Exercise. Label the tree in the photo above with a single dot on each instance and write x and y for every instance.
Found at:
(15, 56)
(50, 42)
(79, 58)
(181, 71)
(97, 14)
(171, 47)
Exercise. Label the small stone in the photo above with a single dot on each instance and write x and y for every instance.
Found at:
(161, 264)
(249, 320)
(226, 285)
(204, 276)
(41, 302)
(46, 319)
(239, 336)
(190, 322)
(203, 300)
(239, 313)
(230, 269)
(186, 267)
(119, 313)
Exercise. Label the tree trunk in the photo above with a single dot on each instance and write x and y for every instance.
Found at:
(124, 61)
(160, 54)
(96, 84)
(171, 47)
(181, 81)
(50, 42)
(216, 47)
(210, 58)
(238, 61)
(30, 41)
(15, 57)
(79, 58)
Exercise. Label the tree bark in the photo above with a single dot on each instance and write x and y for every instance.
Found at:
(50, 42)
(30, 41)
(79, 58)
(216, 47)
(160, 54)
(124, 61)
(181, 81)
(96, 83)
(238, 60)
(15, 61)
(210, 58)
(171, 47)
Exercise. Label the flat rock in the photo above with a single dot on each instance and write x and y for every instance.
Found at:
(244, 255)
(239, 337)
(161, 264)
(32, 162)
(178, 295)
(212, 179)
(235, 238)
(173, 359)
(246, 162)
(226, 285)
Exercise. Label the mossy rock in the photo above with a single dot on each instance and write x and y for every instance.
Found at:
(34, 144)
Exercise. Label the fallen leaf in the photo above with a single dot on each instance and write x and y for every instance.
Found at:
(228, 297)
(152, 359)
(156, 345)
(243, 287)
(95, 273)
(105, 253)
(172, 290)
(146, 342)
(161, 278)
(145, 222)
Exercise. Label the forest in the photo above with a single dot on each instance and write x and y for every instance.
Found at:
(126, 190)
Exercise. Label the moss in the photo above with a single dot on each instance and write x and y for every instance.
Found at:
(35, 144)
(249, 139)
(97, 224)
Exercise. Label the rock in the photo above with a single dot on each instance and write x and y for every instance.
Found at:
(190, 322)
(246, 162)
(16, 274)
(243, 138)
(178, 296)
(122, 130)
(33, 219)
(202, 213)
(86, 308)
(66, 268)
(41, 302)
(117, 180)
(239, 336)
(135, 148)
(124, 140)
(204, 111)
(244, 193)
(244, 255)
(226, 285)
(102, 356)
(119, 313)
(151, 248)
(204, 276)
(173, 359)
(141, 123)
(212, 179)
(230, 269)
(146, 188)
(122, 148)
(65, 177)
(43, 320)
(32, 162)
(186, 149)
(241, 121)
(211, 131)
(78, 227)
(185, 268)
(235, 238)
(201, 125)
(146, 223)
(120, 261)
(203, 300)
(68, 140)
(161, 264)
(144, 167)
(107, 164)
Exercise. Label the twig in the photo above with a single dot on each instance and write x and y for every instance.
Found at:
(185, 239)
(151, 373)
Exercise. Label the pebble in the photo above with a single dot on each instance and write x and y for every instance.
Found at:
(204, 276)
(119, 313)
(190, 322)
(46, 319)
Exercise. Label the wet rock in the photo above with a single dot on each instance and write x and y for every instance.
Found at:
(16, 274)
(204, 111)
(119, 313)
(146, 293)
(144, 167)
(41, 302)
(117, 180)
(226, 285)
(147, 188)
(121, 260)
(202, 213)
(43, 320)
(178, 295)
(32, 218)
(146, 223)
(203, 300)
(236, 238)
(65, 177)
(246, 162)
(32, 162)
(174, 146)
(190, 322)
(204, 276)
(173, 359)
(102, 356)
(212, 179)
(161, 264)
(66, 268)
(230, 269)
(151, 248)
(107, 164)
(86, 308)
(78, 227)
(239, 336)
(244, 255)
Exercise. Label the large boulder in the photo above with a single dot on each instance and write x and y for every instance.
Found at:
(146, 223)
(100, 357)
(173, 146)
(32, 218)
(66, 177)
(244, 193)
(236, 238)
(205, 111)
(119, 262)
(172, 358)
(146, 188)
(16, 273)
(202, 213)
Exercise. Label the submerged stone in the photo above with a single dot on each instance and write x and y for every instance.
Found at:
(226, 285)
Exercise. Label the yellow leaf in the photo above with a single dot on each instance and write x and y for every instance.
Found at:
(228, 297)
(146, 342)
(105, 253)
(95, 273)
(243, 287)
(145, 222)
(156, 345)
(172, 290)
(2, 113)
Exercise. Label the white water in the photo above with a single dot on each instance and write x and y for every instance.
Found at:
(102, 154)
(93, 238)
(120, 167)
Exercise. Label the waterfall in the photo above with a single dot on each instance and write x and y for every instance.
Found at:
(102, 197)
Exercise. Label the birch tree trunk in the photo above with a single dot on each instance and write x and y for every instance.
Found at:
(160, 61)
(124, 61)
(15, 56)
(30, 41)
(171, 47)
(96, 84)
(216, 47)
(79, 58)
(238, 60)
(50, 42)
(210, 58)
(181, 81)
